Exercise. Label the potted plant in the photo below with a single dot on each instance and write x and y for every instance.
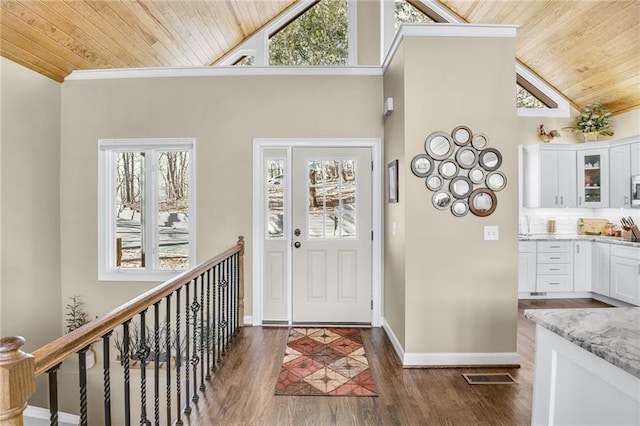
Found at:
(593, 121)
(76, 318)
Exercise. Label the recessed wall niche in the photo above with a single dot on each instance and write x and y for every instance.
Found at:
(461, 171)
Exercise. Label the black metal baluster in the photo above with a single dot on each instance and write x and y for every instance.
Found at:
(156, 359)
(209, 336)
(194, 359)
(203, 331)
(178, 361)
(106, 378)
(143, 356)
(53, 395)
(126, 358)
(82, 381)
(167, 342)
(216, 316)
(187, 408)
(222, 325)
(228, 297)
(236, 307)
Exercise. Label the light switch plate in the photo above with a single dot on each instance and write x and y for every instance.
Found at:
(491, 233)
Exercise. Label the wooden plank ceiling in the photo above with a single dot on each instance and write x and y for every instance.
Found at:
(588, 50)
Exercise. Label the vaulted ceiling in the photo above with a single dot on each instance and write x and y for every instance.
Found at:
(588, 50)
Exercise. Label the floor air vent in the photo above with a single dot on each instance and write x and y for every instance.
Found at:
(489, 379)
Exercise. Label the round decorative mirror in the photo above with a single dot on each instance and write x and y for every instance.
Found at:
(490, 159)
(439, 145)
(480, 141)
(422, 165)
(476, 175)
(434, 182)
(459, 208)
(460, 187)
(462, 135)
(467, 157)
(482, 202)
(441, 200)
(496, 181)
(448, 169)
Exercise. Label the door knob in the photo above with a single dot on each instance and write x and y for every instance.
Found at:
(297, 244)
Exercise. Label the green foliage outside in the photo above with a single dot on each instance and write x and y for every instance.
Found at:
(524, 99)
(317, 37)
(405, 13)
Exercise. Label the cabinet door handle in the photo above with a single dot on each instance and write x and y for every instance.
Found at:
(554, 283)
(556, 200)
(562, 200)
(554, 269)
(626, 200)
(579, 201)
(554, 258)
(577, 249)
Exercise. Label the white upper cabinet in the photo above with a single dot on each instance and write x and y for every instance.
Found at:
(549, 176)
(593, 178)
(620, 176)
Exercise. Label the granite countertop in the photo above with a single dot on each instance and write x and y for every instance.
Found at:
(612, 334)
(570, 237)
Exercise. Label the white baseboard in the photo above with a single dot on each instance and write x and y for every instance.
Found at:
(40, 416)
(394, 340)
(448, 359)
(248, 320)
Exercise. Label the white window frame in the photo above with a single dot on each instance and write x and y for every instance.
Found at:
(107, 149)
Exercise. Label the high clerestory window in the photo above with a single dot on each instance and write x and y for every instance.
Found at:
(406, 13)
(320, 36)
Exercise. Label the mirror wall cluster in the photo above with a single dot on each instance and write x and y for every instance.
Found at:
(461, 171)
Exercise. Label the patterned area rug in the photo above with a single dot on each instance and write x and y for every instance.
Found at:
(325, 361)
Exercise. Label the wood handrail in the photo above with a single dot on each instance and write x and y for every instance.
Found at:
(53, 353)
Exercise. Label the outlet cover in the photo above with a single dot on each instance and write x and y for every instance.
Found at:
(491, 233)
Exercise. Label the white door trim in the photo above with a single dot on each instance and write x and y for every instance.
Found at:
(259, 145)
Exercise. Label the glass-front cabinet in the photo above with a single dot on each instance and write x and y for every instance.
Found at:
(593, 178)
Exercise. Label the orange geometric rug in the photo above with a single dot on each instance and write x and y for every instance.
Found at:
(325, 361)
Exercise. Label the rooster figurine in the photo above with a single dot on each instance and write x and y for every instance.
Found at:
(547, 137)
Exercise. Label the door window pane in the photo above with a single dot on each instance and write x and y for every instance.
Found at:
(275, 198)
(332, 198)
(130, 210)
(173, 210)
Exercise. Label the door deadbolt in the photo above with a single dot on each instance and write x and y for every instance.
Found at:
(296, 232)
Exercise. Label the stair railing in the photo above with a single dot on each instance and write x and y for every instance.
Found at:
(193, 317)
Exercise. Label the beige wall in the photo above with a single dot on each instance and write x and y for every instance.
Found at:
(394, 250)
(224, 114)
(461, 291)
(30, 146)
(368, 32)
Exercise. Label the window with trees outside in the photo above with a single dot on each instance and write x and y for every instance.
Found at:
(146, 208)
(320, 36)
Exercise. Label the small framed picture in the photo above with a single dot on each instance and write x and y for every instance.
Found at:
(392, 179)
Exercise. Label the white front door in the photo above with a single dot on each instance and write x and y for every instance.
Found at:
(331, 233)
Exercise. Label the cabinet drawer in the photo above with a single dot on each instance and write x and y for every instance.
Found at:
(554, 269)
(549, 283)
(527, 246)
(626, 252)
(555, 246)
(555, 257)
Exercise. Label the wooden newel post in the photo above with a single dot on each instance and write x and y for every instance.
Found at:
(17, 380)
(241, 281)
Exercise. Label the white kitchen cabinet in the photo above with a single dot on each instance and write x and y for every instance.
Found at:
(625, 274)
(554, 268)
(527, 266)
(582, 266)
(549, 176)
(620, 176)
(593, 178)
(635, 158)
(601, 268)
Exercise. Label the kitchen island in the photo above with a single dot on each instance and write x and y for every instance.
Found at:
(587, 366)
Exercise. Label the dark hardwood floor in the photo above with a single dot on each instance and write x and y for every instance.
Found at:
(242, 389)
